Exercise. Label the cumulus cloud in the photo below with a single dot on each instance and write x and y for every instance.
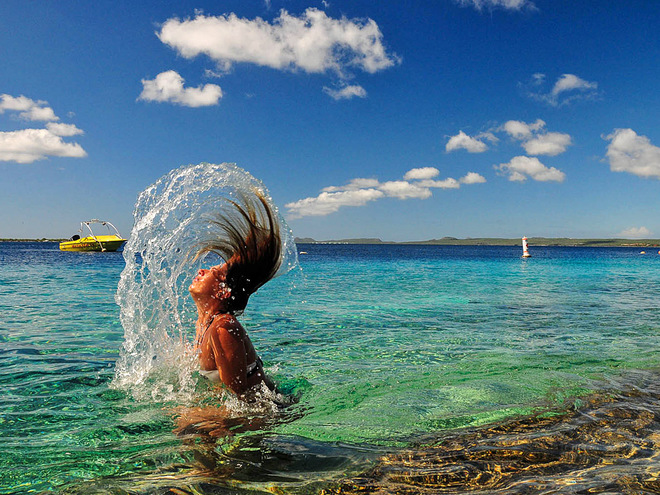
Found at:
(566, 89)
(635, 233)
(417, 184)
(571, 82)
(448, 183)
(520, 168)
(632, 153)
(28, 109)
(329, 202)
(535, 140)
(468, 143)
(404, 190)
(64, 130)
(532, 136)
(550, 144)
(504, 4)
(347, 92)
(353, 185)
(472, 178)
(311, 42)
(29, 145)
(521, 130)
(169, 87)
(421, 173)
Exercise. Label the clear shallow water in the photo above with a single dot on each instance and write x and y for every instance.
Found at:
(383, 345)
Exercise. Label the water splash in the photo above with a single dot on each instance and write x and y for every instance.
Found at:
(170, 218)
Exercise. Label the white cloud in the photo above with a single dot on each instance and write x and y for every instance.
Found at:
(635, 233)
(329, 202)
(504, 4)
(629, 152)
(551, 144)
(44, 114)
(29, 145)
(402, 189)
(168, 87)
(538, 79)
(463, 141)
(421, 173)
(354, 185)
(447, 183)
(417, 184)
(532, 136)
(521, 130)
(472, 178)
(535, 140)
(522, 167)
(487, 135)
(312, 42)
(346, 93)
(28, 109)
(566, 89)
(571, 82)
(64, 130)
(16, 103)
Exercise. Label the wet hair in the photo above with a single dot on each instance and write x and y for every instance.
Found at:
(249, 242)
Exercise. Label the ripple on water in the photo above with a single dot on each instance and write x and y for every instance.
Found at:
(608, 442)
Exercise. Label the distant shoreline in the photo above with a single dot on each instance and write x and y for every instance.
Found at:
(470, 241)
(494, 241)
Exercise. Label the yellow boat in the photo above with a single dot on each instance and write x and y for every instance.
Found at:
(93, 242)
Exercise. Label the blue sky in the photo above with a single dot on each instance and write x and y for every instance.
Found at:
(398, 120)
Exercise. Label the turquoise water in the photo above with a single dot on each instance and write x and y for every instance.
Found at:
(380, 345)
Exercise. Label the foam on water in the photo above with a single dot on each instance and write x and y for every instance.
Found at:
(156, 311)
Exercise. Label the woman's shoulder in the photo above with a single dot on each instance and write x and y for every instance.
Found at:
(224, 318)
(227, 322)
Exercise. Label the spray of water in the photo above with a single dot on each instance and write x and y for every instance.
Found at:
(170, 218)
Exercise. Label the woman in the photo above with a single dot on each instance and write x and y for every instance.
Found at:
(250, 244)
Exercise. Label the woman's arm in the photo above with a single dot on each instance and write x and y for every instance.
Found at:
(226, 339)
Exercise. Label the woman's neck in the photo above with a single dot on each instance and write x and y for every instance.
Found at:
(209, 309)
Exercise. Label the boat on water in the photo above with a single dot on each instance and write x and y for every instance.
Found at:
(92, 242)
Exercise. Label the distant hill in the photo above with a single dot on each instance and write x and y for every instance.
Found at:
(373, 240)
(495, 241)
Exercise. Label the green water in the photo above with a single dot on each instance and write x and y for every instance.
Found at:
(380, 344)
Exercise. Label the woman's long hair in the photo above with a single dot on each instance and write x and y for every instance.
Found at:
(250, 244)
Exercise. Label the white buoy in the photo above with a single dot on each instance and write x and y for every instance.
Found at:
(525, 248)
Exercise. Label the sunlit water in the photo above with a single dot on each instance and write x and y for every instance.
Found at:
(409, 364)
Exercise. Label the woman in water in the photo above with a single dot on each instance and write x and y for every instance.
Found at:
(251, 246)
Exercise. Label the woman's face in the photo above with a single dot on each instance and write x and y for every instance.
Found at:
(210, 283)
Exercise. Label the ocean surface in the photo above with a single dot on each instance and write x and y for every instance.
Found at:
(401, 369)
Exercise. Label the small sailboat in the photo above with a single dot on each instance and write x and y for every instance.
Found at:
(525, 248)
(93, 242)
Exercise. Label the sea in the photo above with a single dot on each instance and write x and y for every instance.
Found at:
(400, 369)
